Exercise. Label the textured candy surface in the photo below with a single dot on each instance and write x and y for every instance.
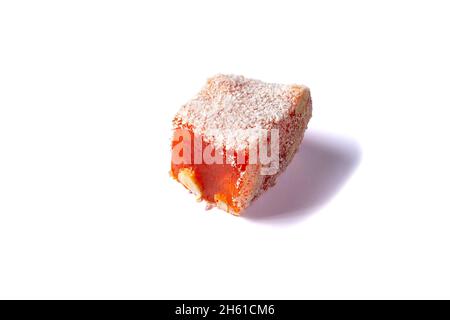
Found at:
(225, 122)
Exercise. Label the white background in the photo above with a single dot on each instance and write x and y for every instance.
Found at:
(87, 93)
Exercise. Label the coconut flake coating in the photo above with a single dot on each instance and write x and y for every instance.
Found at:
(228, 106)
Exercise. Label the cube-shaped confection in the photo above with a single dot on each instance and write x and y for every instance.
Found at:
(233, 139)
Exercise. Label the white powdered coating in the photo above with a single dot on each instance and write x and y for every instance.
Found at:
(228, 106)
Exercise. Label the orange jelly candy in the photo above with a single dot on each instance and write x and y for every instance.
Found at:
(235, 137)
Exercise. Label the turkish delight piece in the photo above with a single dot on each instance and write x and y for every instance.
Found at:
(235, 137)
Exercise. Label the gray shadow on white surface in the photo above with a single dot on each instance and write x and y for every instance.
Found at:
(318, 171)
